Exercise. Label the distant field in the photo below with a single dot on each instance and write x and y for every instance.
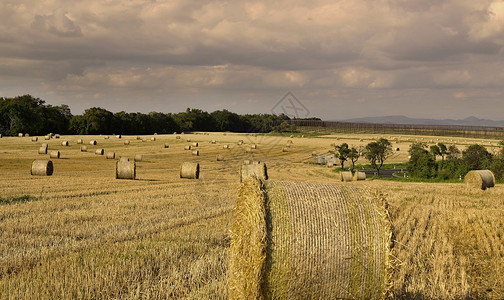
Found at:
(83, 234)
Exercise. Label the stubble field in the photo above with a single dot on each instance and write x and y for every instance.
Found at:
(83, 234)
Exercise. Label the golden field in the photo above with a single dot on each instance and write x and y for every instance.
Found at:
(86, 235)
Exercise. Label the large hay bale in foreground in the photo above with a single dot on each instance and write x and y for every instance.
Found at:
(42, 167)
(125, 169)
(294, 240)
(345, 176)
(258, 170)
(54, 154)
(189, 170)
(480, 179)
(358, 176)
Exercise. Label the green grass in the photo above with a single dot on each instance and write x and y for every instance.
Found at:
(20, 199)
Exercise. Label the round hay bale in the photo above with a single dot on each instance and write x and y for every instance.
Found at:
(220, 157)
(291, 136)
(83, 148)
(345, 176)
(189, 170)
(80, 141)
(258, 170)
(106, 137)
(126, 142)
(397, 149)
(125, 169)
(213, 142)
(110, 155)
(246, 162)
(248, 150)
(153, 138)
(289, 142)
(138, 157)
(195, 153)
(1, 136)
(118, 136)
(56, 136)
(254, 146)
(314, 153)
(20, 135)
(44, 145)
(225, 147)
(187, 147)
(34, 139)
(285, 149)
(144, 140)
(240, 142)
(358, 176)
(41, 167)
(188, 140)
(64, 143)
(47, 137)
(42, 150)
(138, 138)
(480, 179)
(195, 144)
(166, 145)
(99, 151)
(297, 240)
(93, 142)
(54, 154)
(177, 137)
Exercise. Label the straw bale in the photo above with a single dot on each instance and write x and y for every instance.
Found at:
(213, 142)
(358, 176)
(125, 169)
(345, 176)
(110, 155)
(99, 151)
(188, 140)
(20, 135)
(54, 154)
(42, 167)
(246, 162)
(118, 136)
(248, 150)
(187, 147)
(225, 146)
(189, 170)
(80, 141)
(195, 144)
(0, 135)
(144, 140)
(42, 150)
(166, 145)
(126, 142)
(138, 138)
(93, 142)
(83, 148)
(195, 152)
(64, 143)
(220, 157)
(106, 137)
(285, 149)
(47, 137)
(34, 139)
(153, 138)
(240, 142)
(258, 170)
(177, 137)
(480, 179)
(56, 136)
(138, 157)
(254, 146)
(296, 240)
(44, 145)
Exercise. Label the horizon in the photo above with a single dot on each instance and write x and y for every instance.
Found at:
(342, 60)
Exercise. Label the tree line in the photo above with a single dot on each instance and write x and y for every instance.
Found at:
(27, 114)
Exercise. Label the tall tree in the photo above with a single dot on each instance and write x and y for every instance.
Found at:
(377, 152)
(342, 152)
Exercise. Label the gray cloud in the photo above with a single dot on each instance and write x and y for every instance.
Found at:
(246, 54)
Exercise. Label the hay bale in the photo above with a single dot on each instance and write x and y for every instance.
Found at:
(397, 149)
(254, 146)
(195, 153)
(213, 142)
(93, 142)
(54, 154)
(314, 153)
(41, 167)
(480, 179)
(44, 145)
(220, 157)
(99, 151)
(345, 176)
(166, 145)
(110, 155)
(177, 137)
(240, 142)
(188, 140)
(295, 240)
(56, 136)
(246, 162)
(126, 142)
(144, 140)
(153, 138)
(258, 170)
(138, 138)
(125, 169)
(1, 136)
(358, 176)
(64, 143)
(248, 150)
(118, 136)
(225, 146)
(80, 141)
(34, 139)
(47, 137)
(42, 150)
(189, 170)
(187, 147)
(106, 137)
(195, 144)
(83, 148)
(20, 134)
(138, 157)
(285, 149)
(291, 136)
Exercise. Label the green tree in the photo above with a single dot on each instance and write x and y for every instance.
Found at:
(342, 152)
(443, 150)
(377, 152)
(98, 121)
(435, 151)
(422, 163)
(354, 156)
(477, 157)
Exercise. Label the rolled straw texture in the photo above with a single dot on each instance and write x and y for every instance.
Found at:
(54, 154)
(99, 151)
(258, 170)
(195, 153)
(189, 170)
(195, 144)
(93, 142)
(358, 176)
(480, 179)
(64, 143)
(346, 176)
(294, 240)
(125, 169)
(42, 167)
(187, 147)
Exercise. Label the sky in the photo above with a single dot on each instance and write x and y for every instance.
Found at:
(333, 59)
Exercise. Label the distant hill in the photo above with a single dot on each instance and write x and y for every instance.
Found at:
(470, 121)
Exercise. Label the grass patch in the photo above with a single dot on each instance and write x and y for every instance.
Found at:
(20, 199)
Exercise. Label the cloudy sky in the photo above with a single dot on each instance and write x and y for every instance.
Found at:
(341, 59)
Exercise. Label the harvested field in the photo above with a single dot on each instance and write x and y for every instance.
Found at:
(81, 233)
